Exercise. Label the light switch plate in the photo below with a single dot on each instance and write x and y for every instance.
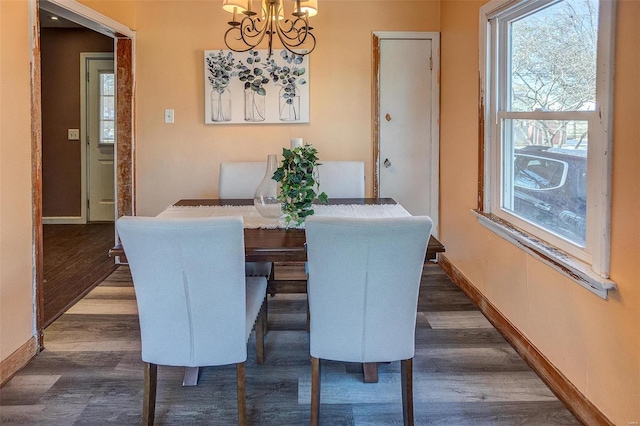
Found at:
(73, 134)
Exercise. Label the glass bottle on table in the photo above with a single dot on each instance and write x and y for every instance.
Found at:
(266, 196)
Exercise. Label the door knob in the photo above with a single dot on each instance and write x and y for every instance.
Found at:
(387, 117)
(387, 163)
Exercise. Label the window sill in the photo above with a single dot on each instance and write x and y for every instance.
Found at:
(569, 266)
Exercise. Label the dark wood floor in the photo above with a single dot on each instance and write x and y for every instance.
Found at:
(76, 259)
(465, 373)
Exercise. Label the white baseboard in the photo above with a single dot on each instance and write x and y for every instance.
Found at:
(63, 220)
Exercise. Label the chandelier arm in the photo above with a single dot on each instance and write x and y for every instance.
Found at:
(299, 34)
(246, 32)
(299, 30)
(295, 48)
(293, 29)
(250, 28)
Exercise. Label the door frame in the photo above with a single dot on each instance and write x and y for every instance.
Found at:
(85, 57)
(434, 150)
(124, 52)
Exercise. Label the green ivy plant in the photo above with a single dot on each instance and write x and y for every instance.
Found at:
(299, 185)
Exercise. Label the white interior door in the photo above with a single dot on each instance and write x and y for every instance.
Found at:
(407, 144)
(100, 138)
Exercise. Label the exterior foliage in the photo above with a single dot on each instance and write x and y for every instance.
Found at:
(553, 68)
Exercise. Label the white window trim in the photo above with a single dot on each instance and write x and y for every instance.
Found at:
(592, 272)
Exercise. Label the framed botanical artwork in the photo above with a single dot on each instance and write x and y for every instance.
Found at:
(249, 88)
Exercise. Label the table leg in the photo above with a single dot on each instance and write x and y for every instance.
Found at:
(190, 376)
(370, 370)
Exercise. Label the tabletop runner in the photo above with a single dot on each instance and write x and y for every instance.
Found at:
(253, 219)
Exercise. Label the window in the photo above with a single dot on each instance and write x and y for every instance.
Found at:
(546, 85)
(107, 108)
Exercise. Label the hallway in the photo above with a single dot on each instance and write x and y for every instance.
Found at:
(76, 259)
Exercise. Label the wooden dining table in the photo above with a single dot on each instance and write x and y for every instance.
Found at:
(283, 245)
(288, 245)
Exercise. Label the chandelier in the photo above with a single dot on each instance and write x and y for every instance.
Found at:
(249, 28)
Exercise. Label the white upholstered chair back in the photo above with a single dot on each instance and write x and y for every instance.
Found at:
(342, 179)
(189, 282)
(364, 278)
(240, 179)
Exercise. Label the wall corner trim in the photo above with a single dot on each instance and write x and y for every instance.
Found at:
(18, 359)
(566, 391)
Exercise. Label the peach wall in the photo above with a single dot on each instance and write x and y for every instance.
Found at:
(595, 343)
(123, 11)
(182, 160)
(16, 280)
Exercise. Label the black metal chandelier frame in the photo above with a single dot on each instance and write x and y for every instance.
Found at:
(294, 33)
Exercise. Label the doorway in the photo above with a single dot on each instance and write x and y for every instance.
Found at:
(122, 44)
(406, 111)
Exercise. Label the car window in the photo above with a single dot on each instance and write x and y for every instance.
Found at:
(539, 173)
(582, 184)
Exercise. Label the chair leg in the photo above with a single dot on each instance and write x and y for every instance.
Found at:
(190, 377)
(260, 334)
(265, 324)
(308, 317)
(149, 399)
(272, 276)
(315, 391)
(406, 370)
(242, 394)
(370, 372)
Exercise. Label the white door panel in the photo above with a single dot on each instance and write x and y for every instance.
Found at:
(100, 140)
(405, 123)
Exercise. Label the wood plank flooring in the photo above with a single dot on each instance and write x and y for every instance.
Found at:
(465, 373)
(76, 259)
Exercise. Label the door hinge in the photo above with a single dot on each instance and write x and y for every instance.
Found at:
(87, 204)
(431, 64)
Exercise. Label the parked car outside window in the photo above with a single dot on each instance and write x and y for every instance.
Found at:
(550, 190)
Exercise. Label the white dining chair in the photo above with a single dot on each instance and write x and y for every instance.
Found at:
(364, 279)
(342, 179)
(239, 180)
(195, 305)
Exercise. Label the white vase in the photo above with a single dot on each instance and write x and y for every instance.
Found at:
(266, 196)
